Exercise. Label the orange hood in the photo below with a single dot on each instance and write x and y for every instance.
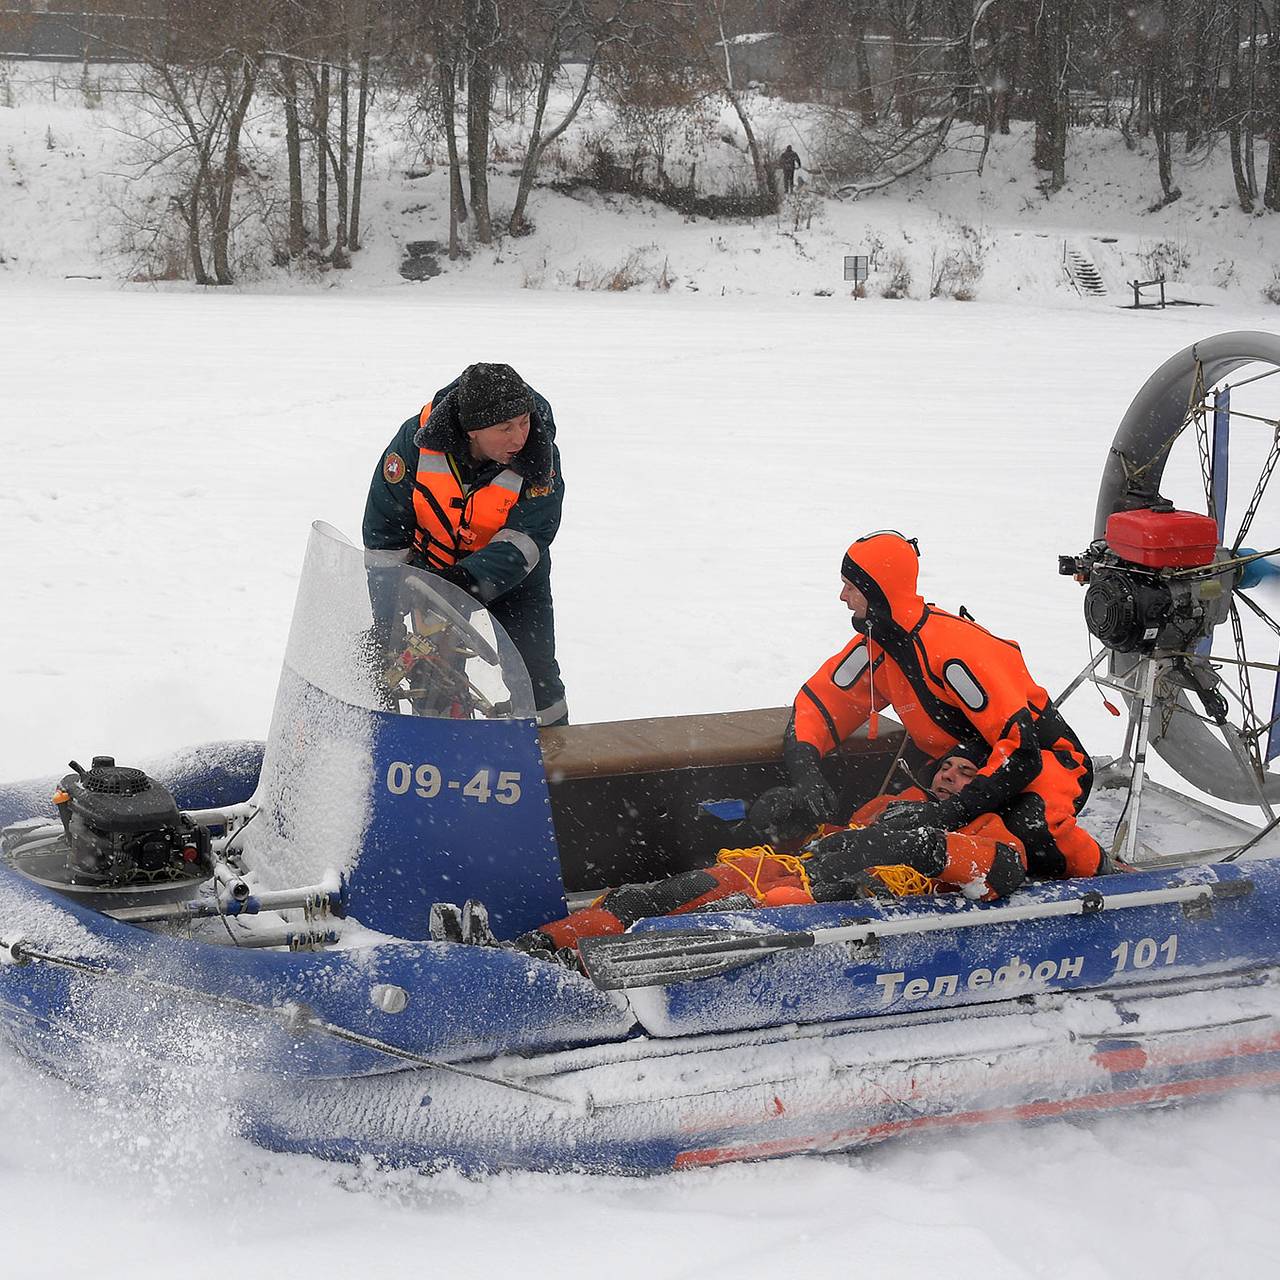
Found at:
(885, 567)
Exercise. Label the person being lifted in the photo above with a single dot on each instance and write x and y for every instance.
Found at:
(983, 860)
(948, 680)
(470, 489)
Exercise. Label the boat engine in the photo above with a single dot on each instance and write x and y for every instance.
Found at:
(123, 828)
(1141, 598)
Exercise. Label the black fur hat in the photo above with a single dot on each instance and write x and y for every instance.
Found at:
(489, 394)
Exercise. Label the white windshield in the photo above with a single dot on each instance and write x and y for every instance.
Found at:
(432, 651)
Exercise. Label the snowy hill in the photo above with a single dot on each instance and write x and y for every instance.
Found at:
(77, 202)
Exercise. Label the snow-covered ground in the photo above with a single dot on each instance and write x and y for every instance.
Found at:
(164, 453)
(165, 450)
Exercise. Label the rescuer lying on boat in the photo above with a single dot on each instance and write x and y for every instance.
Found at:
(983, 860)
(949, 680)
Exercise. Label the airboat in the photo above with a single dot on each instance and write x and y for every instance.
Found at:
(255, 919)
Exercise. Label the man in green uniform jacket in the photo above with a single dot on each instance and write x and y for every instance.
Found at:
(470, 489)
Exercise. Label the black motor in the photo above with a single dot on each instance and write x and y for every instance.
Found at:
(1133, 609)
(1129, 612)
(123, 828)
(1157, 581)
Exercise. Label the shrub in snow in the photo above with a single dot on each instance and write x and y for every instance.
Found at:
(1271, 291)
(954, 272)
(1166, 259)
(898, 283)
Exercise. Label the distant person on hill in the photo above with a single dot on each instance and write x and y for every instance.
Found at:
(789, 163)
(470, 489)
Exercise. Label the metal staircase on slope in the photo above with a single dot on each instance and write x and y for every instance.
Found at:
(1086, 278)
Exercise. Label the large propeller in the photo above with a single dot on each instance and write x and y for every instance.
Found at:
(1226, 759)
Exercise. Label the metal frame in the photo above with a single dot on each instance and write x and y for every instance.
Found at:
(1138, 689)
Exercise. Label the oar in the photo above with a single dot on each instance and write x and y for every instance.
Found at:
(678, 955)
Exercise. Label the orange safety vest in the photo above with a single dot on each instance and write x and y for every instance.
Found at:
(453, 521)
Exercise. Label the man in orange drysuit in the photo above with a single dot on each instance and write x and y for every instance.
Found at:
(984, 860)
(948, 679)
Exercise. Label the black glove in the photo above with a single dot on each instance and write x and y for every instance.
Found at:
(816, 796)
(457, 576)
(907, 815)
(779, 816)
(813, 793)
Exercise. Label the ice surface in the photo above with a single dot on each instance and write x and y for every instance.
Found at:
(164, 458)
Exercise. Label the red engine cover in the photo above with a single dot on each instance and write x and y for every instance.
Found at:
(1162, 539)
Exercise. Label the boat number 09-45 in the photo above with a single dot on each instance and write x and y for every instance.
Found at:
(427, 781)
(1144, 953)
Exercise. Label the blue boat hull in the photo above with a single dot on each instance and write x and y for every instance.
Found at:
(533, 1067)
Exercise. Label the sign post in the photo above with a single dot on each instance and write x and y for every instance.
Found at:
(856, 269)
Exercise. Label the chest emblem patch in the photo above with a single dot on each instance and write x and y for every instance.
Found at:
(393, 468)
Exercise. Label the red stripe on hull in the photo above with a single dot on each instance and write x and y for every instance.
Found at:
(1114, 1100)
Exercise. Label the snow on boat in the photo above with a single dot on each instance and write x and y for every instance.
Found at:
(258, 921)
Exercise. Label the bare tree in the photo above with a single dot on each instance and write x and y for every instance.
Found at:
(365, 29)
(1271, 192)
(1235, 109)
(549, 28)
(297, 242)
(196, 94)
(481, 27)
(707, 35)
(1160, 30)
(1049, 86)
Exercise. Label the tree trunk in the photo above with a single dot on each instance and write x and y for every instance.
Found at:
(764, 182)
(865, 97)
(230, 170)
(362, 110)
(340, 256)
(1251, 109)
(1164, 91)
(903, 78)
(550, 61)
(293, 143)
(322, 161)
(202, 140)
(480, 35)
(457, 201)
(192, 218)
(1243, 194)
(764, 179)
(1050, 90)
(1196, 107)
(1007, 49)
(537, 142)
(1271, 192)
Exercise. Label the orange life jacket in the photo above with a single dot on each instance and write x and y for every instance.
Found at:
(452, 521)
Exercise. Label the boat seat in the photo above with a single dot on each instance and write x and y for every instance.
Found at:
(662, 743)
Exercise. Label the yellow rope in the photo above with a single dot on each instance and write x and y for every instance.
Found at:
(903, 882)
(763, 853)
